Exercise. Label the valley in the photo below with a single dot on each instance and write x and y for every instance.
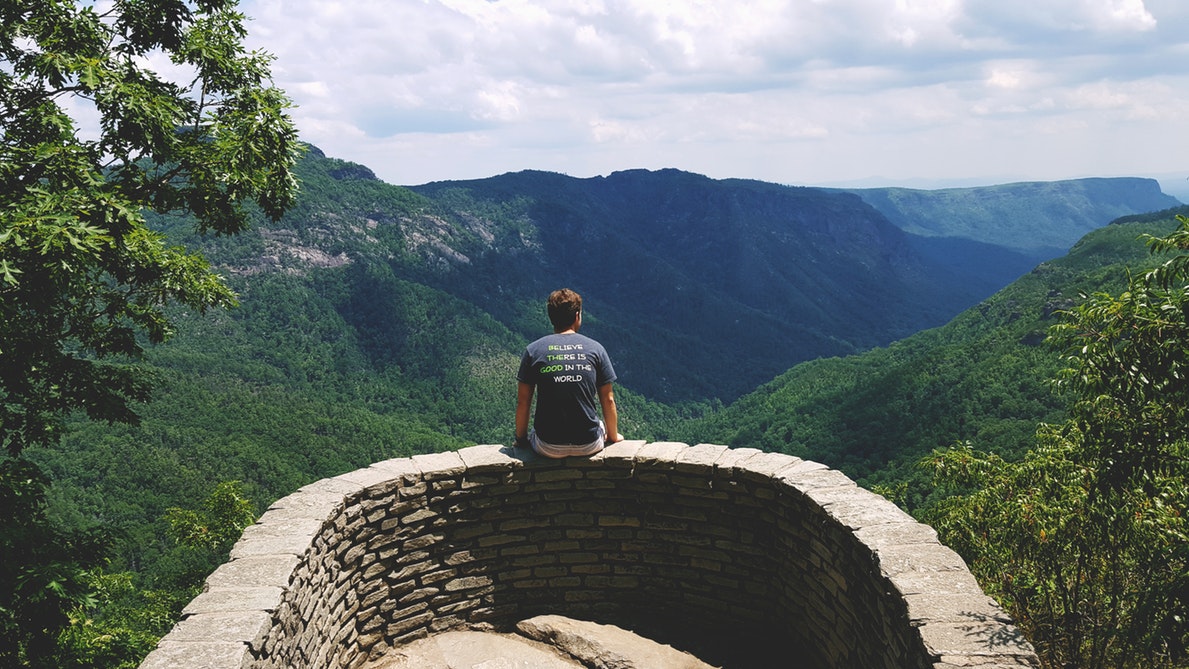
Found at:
(377, 321)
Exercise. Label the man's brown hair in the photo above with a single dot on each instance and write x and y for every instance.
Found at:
(564, 306)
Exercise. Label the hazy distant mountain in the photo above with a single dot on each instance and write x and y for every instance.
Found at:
(1039, 219)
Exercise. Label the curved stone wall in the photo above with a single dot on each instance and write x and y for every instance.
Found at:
(742, 557)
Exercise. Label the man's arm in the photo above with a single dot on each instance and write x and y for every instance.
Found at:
(610, 413)
(524, 403)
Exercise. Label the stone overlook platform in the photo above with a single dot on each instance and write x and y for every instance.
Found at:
(744, 558)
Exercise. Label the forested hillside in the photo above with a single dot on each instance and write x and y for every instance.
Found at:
(984, 377)
(702, 288)
(152, 402)
(377, 321)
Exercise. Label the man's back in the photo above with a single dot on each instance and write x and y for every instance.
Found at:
(567, 371)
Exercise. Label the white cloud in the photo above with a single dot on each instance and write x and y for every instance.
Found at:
(500, 102)
(438, 89)
(919, 21)
(1000, 78)
(1121, 15)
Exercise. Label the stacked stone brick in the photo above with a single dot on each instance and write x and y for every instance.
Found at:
(758, 558)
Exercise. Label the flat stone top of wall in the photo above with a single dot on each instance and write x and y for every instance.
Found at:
(350, 566)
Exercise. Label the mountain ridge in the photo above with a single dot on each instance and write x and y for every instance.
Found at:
(983, 377)
(724, 260)
(687, 278)
(1038, 218)
(376, 321)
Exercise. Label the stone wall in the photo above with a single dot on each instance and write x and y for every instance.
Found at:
(742, 557)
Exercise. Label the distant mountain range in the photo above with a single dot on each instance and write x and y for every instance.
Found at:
(702, 289)
(706, 288)
(1040, 219)
(378, 321)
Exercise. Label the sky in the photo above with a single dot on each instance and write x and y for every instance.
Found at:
(919, 93)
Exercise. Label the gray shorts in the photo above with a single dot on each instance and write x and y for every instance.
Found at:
(566, 450)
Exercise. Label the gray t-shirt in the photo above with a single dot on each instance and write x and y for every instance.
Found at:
(567, 371)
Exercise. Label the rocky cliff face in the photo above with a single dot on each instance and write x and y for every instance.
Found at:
(708, 287)
(700, 288)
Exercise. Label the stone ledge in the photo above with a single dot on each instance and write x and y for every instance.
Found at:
(659, 454)
(699, 459)
(235, 600)
(484, 459)
(308, 504)
(197, 655)
(440, 465)
(978, 641)
(620, 454)
(248, 627)
(261, 570)
(857, 508)
(415, 546)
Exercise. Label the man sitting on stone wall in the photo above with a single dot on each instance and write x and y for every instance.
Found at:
(570, 373)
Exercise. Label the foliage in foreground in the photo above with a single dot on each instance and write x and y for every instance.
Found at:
(1085, 540)
(92, 136)
(82, 277)
(119, 623)
(44, 571)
